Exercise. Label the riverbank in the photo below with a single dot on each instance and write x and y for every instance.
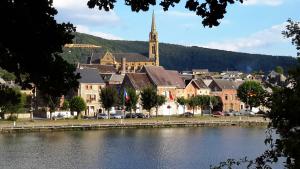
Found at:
(71, 124)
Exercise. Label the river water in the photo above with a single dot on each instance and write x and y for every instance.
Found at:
(165, 148)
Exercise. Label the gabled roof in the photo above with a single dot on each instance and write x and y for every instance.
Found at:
(200, 84)
(139, 80)
(226, 84)
(161, 77)
(116, 78)
(176, 79)
(101, 68)
(89, 75)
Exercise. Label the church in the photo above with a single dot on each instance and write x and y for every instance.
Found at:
(132, 62)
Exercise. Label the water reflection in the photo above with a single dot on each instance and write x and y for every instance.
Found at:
(175, 148)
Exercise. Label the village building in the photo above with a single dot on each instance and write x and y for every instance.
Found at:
(227, 91)
(90, 85)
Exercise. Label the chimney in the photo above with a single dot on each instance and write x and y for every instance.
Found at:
(123, 66)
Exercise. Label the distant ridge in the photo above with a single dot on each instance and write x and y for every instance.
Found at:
(178, 57)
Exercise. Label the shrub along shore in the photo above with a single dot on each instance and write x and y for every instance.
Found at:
(159, 122)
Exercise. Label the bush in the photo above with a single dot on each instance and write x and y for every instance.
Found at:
(12, 117)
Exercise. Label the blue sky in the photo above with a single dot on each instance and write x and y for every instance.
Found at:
(253, 27)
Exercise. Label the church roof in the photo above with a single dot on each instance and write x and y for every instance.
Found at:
(130, 57)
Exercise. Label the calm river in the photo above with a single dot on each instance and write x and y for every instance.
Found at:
(167, 148)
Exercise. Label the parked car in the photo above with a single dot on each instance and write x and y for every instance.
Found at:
(101, 116)
(231, 113)
(187, 114)
(116, 116)
(130, 116)
(140, 115)
(237, 113)
(218, 113)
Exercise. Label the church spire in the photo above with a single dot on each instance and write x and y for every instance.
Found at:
(153, 42)
(153, 27)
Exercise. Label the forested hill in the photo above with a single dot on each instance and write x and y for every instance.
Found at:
(179, 57)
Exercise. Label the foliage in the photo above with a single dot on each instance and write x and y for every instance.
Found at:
(148, 98)
(77, 104)
(211, 11)
(66, 105)
(293, 31)
(279, 69)
(285, 118)
(193, 102)
(109, 98)
(159, 101)
(182, 101)
(217, 103)
(176, 57)
(22, 20)
(7, 76)
(12, 101)
(12, 117)
(132, 101)
(251, 93)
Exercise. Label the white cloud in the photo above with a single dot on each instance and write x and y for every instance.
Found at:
(77, 12)
(264, 2)
(70, 4)
(85, 29)
(259, 39)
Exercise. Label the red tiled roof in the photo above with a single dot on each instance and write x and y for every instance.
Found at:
(161, 77)
(139, 80)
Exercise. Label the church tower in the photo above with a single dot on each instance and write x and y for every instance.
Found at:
(153, 42)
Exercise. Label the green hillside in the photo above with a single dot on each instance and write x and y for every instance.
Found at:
(179, 57)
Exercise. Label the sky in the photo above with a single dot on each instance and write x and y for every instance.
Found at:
(252, 27)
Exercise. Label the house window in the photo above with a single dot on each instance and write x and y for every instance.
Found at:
(87, 87)
(90, 98)
(226, 97)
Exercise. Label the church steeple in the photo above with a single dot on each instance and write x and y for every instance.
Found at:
(153, 42)
(153, 26)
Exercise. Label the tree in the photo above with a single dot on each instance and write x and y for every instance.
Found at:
(211, 11)
(279, 69)
(109, 98)
(217, 103)
(251, 93)
(23, 21)
(284, 118)
(148, 97)
(159, 101)
(193, 102)
(66, 105)
(12, 101)
(132, 100)
(182, 101)
(6, 75)
(293, 31)
(77, 104)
